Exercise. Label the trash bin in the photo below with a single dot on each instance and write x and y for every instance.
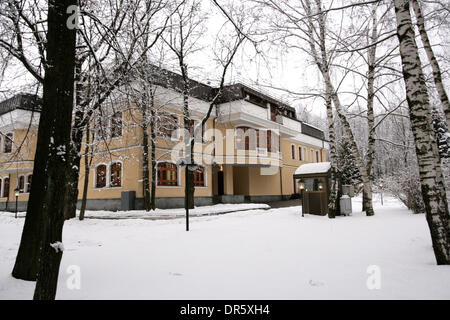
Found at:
(346, 204)
(128, 200)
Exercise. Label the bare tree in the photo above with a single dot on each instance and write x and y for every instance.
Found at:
(51, 159)
(437, 74)
(430, 172)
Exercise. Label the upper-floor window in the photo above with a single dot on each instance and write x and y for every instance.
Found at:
(199, 177)
(109, 128)
(246, 138)
(7, 142)
(116, 125)
(293, 151)
(200, 131)
(167, 174)
(274, 112)
(273, 142)
(317, 156)
(101, 129)
(166, 124)
(300, 155)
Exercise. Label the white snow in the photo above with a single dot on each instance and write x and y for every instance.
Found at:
(259, 254)
(309, 168)
(58, 246)
(164, 213)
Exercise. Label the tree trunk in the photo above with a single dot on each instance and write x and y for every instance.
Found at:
(370, 101)
(153, 159)
(145, 160)
(57, 107)
(431, 179)
(437, 75)
(359, 162)
(189, 145)
(333, 200)
(86, 174)
(322, 64)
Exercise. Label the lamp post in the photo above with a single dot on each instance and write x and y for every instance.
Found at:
(381, 192)
(16, 193)
(301, 187)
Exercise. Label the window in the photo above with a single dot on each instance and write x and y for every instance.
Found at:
(28, 183)
(199, 177)
(101, 129)
(246, 138)
(100, 176)
(116, 174)
(166, 124)
(300, 156)
(274, 112)
(116, 125)
(21, 184)
(199, 136)
(293, 152)
(167, 174)
(7, 143)
(5, 188)
(1, 187)
(273, 144)
(317, 156)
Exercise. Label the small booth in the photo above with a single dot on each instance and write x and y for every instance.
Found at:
(313, 184)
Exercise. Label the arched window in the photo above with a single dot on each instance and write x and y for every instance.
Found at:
(300, 156)
(100, 176)
(6, 187)
(116, 174)
(293, 151)
(199, 177)
(167, 174)
(21, 184)
(28, 183)
(7, 143)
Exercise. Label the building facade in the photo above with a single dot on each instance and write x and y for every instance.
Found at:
(247, 151)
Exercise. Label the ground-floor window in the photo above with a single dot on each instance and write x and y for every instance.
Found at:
(199, 177)
(116, 174)
(21, 184)
(28, 183)
(108, 175)
(167, 174)
(5, 188)
(100, 176)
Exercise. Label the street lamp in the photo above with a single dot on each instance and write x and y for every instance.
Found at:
(381, 189)
(16, 193)
(301, 187)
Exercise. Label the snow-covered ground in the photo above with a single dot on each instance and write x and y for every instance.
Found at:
(258, 254)
(163, 213)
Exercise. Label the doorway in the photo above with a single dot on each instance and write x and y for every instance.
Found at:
(220, 189)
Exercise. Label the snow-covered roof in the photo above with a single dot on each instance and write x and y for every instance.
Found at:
(311, 168)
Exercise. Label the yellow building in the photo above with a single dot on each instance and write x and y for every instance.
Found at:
(247, 151)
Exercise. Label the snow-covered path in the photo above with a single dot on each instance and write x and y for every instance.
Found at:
(260, 254)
